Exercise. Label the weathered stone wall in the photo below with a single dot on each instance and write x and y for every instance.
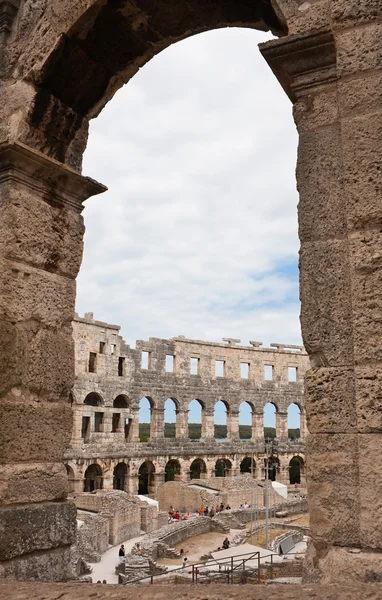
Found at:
(92, 536)
(60, 63)
(123, 513)
(119, 382)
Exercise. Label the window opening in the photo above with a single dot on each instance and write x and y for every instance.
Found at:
(194, 366)
(145, 360)
(292, 374)
(121, 366)
(98, 422)
(244, 370)
(268, 372)
(85, 430)
(169, 363)
(219, 368)
(115, 422)
(92, 362)
(101, 347)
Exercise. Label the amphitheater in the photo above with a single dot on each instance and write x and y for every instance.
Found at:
(60, 63)
(105, 451)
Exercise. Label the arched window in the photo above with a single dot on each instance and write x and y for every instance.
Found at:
(172, 470)
(223, 467)
(93, 478)
(245, 420)
(197, 468)
(71, 479)
(246, 465)
(294, 421)
(145, 408)
(170, 408)
(121, 401)
(146, 481)
(270, 420)
(195, 419)
(93, 399)
(221, 410)
(296, 466)
(120, 477)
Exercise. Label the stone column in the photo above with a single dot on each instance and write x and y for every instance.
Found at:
(208, 427)
(334, 81)
(157, 424)
(233, 425)
(302, 425)
(282, 426)
(159, 479)
(181, 423)
(41, 232)
(131, 484)
(258, 426)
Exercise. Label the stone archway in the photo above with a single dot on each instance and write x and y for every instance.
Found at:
(93, 479)
(51, 85)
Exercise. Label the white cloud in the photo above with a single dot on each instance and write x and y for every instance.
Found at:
(193, 237)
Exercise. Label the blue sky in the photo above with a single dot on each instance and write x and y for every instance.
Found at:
(197, 235)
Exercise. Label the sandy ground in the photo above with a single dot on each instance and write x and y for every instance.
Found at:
(258, 538)
(198, 545)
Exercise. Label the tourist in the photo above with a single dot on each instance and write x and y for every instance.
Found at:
(187, 516)
(221, 507)
(177, 516)
(226, 544)
(212, 512)
(122, 554)
(184, 562)
(206, 511)
(201, 511)
(138, 549)
(217, 509)
(228, 507)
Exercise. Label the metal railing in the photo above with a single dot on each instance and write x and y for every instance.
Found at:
(227, 568)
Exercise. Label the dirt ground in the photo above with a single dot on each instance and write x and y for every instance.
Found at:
(197, 546)
(258, 538)
(302, 520)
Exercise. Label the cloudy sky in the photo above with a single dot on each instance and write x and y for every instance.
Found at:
(197, 234)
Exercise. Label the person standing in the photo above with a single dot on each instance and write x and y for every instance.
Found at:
(121, 554)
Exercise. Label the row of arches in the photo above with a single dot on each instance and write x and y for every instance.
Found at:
(93, 476)
(196, 421)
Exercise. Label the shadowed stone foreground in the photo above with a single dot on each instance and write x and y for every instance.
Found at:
(48, 591)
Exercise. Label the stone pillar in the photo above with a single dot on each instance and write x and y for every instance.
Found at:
(159, 479)
(282, 426)
(108, 480)
(41, 232)
(208, 427)
(131, 485)
(233, 427)
(334, 81)
(258, 426)
(302, 425)
(157, 424)
(181, 423)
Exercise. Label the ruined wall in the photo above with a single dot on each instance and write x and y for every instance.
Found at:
(118, 381)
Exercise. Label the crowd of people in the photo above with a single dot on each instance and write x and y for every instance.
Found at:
(203, 511)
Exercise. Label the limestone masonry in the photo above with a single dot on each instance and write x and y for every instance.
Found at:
(105, 450)
(60, 63)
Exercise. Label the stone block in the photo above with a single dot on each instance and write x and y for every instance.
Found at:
(316, 110)
(368, 398)
(32, 482)
(361, 95)
(362, 176)
(333, 481)
(359, 49)
(366, 268)
(36, 233)
(319, 170)
(326, 317)
(34, 431)
(27, 293)
(330, 400)
(354, 12)
(49, 566)
(370, 490)
(25, 529)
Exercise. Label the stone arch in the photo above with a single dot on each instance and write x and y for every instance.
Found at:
(246, 416)
(93, 478)
(93, 399)
(273, 467)
(120, 473)
(296, 469)
(172, 470)
(270, 411)
(121, 401)
(196, 411)
(198, 469)
(223, 467)
(294, 420)
(145, 418)
(99, 50)
(246, 465)
(146, 478)
(71, 478)
(171, 411)
(222, 413)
